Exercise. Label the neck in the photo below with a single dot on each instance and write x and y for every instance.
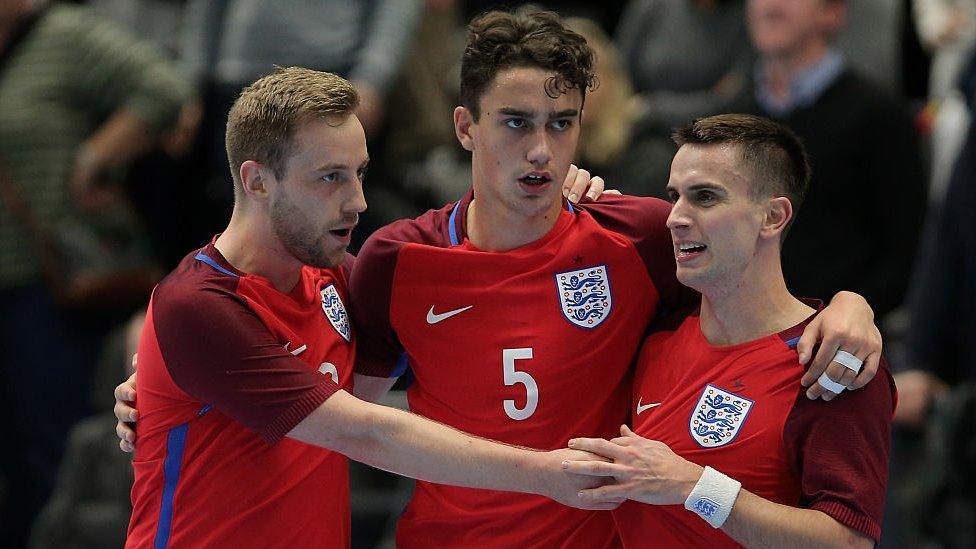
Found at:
(781, 70)
(755, 305)
(250, 245)
(499, 229)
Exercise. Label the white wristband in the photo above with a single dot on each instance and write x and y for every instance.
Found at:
(713, 496)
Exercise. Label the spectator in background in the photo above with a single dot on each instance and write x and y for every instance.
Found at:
(610, 112)
(942, 301)
(166, 184)
(947, 29)
(78, 99)
(158, 21)
(90, 507)
(931, 496)
(687, 59)
(866, 201)
(229, 43)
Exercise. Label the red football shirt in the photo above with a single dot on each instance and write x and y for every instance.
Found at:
(228, 366)
(741, 410)
(531, 347)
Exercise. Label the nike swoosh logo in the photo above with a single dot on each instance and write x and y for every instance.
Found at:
(646, 406)
(297, 351)
(434, 318)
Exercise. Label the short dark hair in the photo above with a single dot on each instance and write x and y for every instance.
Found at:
(774, 154)
(500, 40)
(265, 116)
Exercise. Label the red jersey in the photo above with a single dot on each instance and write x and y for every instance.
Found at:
(228, 365)
(531, 347)
(741, 410)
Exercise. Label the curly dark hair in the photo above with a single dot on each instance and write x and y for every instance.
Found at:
(499, 40)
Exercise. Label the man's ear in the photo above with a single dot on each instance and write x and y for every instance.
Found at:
(779, 212)
(253, 180)
(463, 122)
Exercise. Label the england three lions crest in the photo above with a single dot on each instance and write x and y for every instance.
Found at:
(335, 311)
(718, 417)
(584, 295)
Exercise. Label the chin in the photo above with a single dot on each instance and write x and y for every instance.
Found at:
(690, 279)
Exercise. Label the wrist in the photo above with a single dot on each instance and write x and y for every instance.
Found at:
(845, 296)
(713, 497)
(695, 473)
(534, 469)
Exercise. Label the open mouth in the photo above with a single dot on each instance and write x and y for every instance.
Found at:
(342, 233)
(535, 180)
(689, 250)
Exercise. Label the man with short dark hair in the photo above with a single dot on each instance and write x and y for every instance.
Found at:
(863, 214)
(720, 389)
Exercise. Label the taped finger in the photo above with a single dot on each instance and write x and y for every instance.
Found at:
(829, 384)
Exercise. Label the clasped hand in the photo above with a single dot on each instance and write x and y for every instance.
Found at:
(639, 469)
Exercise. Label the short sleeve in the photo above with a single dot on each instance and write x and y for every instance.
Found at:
(370, 294)
(840, 452)
(218, 351)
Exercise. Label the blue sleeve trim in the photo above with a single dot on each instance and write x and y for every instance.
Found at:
(402, 363)
(210, 261)
(175, 444)
(452, 224)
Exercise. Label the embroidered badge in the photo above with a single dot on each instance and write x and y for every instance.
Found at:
(718, 417)
(584, 295)
(335, 311)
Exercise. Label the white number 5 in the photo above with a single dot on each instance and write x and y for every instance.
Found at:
(513, 376)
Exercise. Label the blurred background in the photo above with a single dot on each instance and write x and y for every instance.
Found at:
(112, 167)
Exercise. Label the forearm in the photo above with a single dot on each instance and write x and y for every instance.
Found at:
(757, 522)
(119, 140)
(403, 443)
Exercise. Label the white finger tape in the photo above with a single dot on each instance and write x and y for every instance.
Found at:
(713, 496)
(849, 361)
(830, 384)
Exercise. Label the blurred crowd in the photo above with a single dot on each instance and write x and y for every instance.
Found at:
(112, 167)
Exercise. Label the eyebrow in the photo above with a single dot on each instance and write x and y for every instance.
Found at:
(698, 187)
(329, 167)
(566, 113)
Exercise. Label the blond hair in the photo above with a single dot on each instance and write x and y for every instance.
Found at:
(264, 118)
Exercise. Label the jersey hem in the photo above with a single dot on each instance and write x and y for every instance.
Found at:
(850, 518)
